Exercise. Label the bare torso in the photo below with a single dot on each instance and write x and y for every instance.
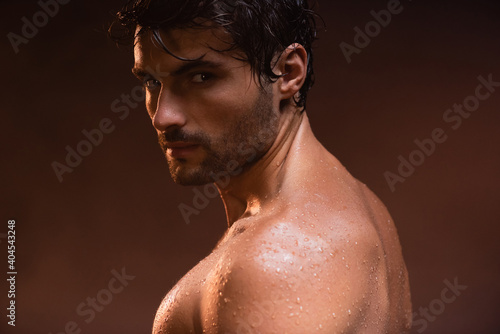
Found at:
(322, 255)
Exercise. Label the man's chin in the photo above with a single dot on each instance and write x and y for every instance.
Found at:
(189, 177)
(184, 181)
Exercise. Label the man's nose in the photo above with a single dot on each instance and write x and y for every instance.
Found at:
(168, 112)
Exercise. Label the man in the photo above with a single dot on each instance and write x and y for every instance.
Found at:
(308, 248)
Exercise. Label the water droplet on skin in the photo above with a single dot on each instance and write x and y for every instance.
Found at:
(349, 311)
(333, 315)
(320, 250)
(187, 293)
(313, 226)
(298, 300)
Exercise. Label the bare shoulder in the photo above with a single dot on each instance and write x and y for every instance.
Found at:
(293, 275)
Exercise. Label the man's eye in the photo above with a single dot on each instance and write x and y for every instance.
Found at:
(151, 84)
(201, 77)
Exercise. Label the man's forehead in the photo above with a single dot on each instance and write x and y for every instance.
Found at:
(188, 42)
(187, 49)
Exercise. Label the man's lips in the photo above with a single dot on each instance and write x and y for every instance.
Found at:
(181, 149)
(180, 144)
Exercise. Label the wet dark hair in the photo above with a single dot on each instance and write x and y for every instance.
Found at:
(261, 29)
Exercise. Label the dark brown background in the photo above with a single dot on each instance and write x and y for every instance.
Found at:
(119, 208)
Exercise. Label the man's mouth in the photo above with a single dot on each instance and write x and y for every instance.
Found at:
(181, 149)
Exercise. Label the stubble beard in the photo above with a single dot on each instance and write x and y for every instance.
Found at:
(241, 145)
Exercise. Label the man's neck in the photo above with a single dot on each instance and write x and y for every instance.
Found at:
(248, 192)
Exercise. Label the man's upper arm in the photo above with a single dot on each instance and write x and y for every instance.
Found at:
(283, 288)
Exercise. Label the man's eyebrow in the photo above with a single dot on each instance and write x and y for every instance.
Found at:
(183, 69)
(189, 66)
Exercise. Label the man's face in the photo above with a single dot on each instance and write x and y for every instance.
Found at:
(209, 113)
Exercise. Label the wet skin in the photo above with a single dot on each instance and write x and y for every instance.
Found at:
(308, 247)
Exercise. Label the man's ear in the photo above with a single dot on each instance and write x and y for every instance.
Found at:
(292, 67)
